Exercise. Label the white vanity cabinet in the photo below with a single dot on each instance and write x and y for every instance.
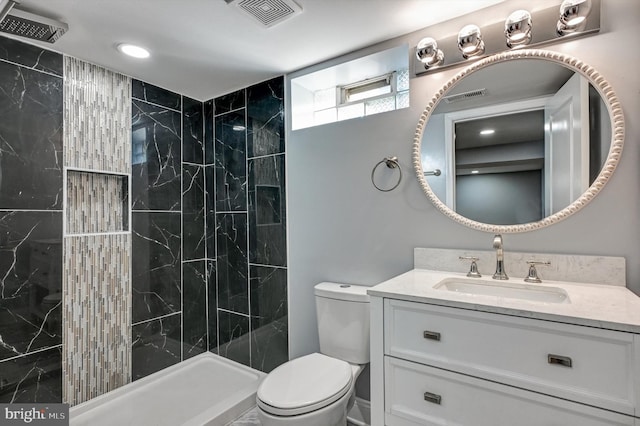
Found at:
(440, 365)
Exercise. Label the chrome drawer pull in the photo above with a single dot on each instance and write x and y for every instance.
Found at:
(431, 335)
(565, 361)
(432, 397)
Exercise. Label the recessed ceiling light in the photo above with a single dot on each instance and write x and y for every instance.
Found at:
(486, 132)
(133, 50)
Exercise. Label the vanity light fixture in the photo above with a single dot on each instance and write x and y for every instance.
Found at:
(470, 41)
(573, 16)
(565, 18)
(133, 50)
(428, 53)
(517, 29)
(487, 132)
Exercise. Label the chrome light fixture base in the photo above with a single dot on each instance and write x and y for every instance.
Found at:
(518, 28)
(521, 28)
(470, 41)
(428, 53)
(573, 16)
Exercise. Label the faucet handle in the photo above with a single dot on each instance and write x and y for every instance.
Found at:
(533, 277)
(473, 269)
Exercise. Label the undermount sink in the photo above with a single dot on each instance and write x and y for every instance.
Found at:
(533, 293)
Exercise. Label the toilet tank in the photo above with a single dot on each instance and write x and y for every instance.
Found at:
(343, 321)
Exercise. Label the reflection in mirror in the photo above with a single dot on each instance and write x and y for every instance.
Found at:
(517, 141)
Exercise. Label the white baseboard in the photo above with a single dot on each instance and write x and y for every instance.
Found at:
(360, 413)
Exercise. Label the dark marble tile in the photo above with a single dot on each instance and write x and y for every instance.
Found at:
(30, 139)
(232, 266)
(209, 155)
(156, 141)
(231, 162)
(192, 131)
(210, 203)
(267, 211)
(269, 321)
(35, 378)
(212, 291)
(156, 262)
(234, 337)
(265, 118)
(156, 345)
(156, 95)
(194, 308)
(31, 284)
(229, 102)
(193, 212)
(31, 56)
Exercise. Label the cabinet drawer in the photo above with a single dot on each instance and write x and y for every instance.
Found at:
(588, 365)
(420, 395)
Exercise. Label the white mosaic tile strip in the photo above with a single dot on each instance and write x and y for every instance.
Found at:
(573, 268)
(96, 203)
(97, 117)
(96, 316)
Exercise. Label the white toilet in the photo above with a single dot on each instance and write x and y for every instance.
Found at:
(318, 389)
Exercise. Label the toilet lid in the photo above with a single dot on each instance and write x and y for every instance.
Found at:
(304, 384)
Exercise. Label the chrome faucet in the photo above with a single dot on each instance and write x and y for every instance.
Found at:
(500, 273)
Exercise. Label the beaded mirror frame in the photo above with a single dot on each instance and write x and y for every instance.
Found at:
(617, 139)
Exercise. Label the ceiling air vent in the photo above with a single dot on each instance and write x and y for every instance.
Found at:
(268, 12)
(465, 95)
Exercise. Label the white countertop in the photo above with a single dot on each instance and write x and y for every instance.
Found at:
(593, 305)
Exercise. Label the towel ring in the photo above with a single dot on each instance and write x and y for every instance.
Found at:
(392, 163)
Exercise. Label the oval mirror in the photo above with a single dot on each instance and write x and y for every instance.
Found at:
(518, 141)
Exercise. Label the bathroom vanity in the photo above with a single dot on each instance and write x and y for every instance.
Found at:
(447, 349)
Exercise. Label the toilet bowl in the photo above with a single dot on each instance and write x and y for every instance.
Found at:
(314, 390)
(318, 389)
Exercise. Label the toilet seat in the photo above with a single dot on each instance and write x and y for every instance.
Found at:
(304, 385)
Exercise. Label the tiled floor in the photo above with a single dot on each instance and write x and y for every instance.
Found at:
(250, 418)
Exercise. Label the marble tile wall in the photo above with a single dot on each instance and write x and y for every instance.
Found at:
(194, 244)
(207, 249)
(156, 181)
(171, 269)
(246, 195)
(31, 129)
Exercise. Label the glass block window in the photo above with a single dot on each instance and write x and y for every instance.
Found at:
(344, 103)
(350, 111)
(323, 99)
(371, 84)
(376, 106)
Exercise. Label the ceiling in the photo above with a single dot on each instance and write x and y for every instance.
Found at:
(207, 48)
(508, 82)
(515, 128)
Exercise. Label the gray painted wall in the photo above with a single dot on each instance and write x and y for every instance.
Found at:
(342, 229)
(501, 198)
